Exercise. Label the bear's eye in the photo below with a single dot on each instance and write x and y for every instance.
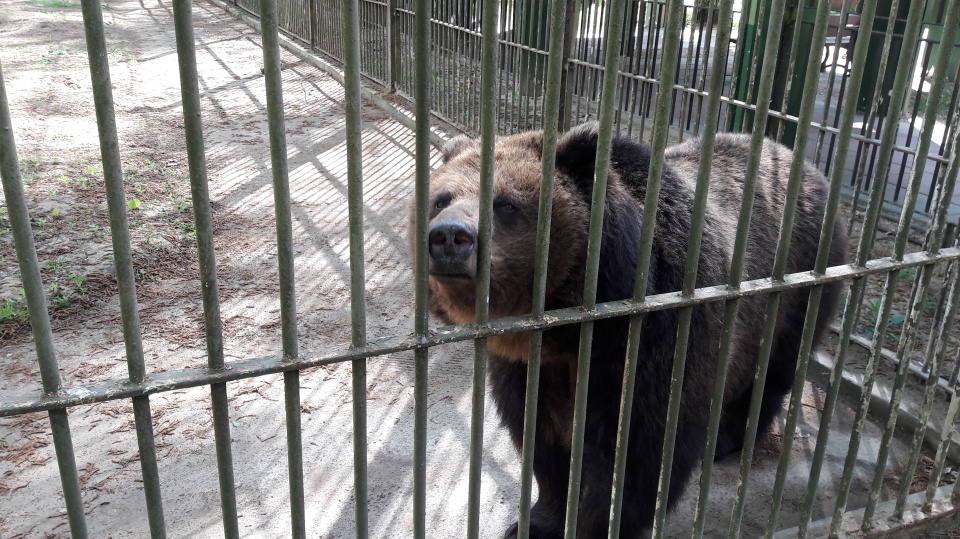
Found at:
(504, 206)
(442, 202)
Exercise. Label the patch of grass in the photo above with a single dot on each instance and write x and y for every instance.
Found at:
(57, 265)
(54, 3)
(185, 226)
(180, 203)
(14, 310)
(29, 169)
(909, 274)
(943, 107)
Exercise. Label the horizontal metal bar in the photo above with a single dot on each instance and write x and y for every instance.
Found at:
(237, 370)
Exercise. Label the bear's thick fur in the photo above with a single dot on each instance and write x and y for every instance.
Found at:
(454, 192)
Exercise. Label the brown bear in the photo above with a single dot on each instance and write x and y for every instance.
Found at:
(454, 192)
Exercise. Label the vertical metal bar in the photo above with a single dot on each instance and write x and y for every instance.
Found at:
(791, 67)
(940, 459)
(488, 111)
(905, 347)
(929, 395)
(351, 75)
(567, 78)
(69, 480)
(285, 260)
(281, 183)
(901, 83)
(650, 63)
(661, 128)
(608, 100)
(756, 143)
(196, 159)
(313, 22)
(39, 321)
(690, 82)
(713, 117)
(831, 79)
(555, 66)
(849, 316)
(504, 57)
(148, 466)
(123, 259)
(807, 102)
(862, 153)
(583, 16)
(421, 32)
(291, 390)
(707, 40)
(738, 53)
(422, 100)
(113, 177)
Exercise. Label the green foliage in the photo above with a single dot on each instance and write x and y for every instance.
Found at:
(14, 310)
(54, 3)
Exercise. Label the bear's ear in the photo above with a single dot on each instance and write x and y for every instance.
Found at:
(577, 151)
(455, 147)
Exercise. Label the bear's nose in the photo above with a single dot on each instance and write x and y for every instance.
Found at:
(451, 241)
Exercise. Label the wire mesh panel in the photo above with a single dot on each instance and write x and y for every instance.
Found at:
(642, 292)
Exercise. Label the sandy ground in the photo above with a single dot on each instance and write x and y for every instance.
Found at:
(47, 79)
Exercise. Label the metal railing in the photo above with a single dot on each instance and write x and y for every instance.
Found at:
(640, 87)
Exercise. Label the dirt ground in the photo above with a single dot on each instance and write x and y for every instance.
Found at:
(43, 56)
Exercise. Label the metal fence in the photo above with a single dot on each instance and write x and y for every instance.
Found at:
(520, 85)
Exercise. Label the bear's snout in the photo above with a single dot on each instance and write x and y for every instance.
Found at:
(452, 244)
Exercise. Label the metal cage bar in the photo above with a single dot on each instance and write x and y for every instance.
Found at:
(557, 45)
(488, 109)
(521, 112)
(905, 345)
(422, 44)
(351, 76)
(783, 242)
(608, 98)
(765, 92)
(866, 241)
(724, 31)
(122, 256)
(846, 129)
(39, 320)
(285, 260)
(689, 284)
(203, 218)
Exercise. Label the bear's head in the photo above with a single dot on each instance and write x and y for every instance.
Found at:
(453, 228)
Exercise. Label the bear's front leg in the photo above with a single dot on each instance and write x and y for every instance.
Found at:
(551, 468)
